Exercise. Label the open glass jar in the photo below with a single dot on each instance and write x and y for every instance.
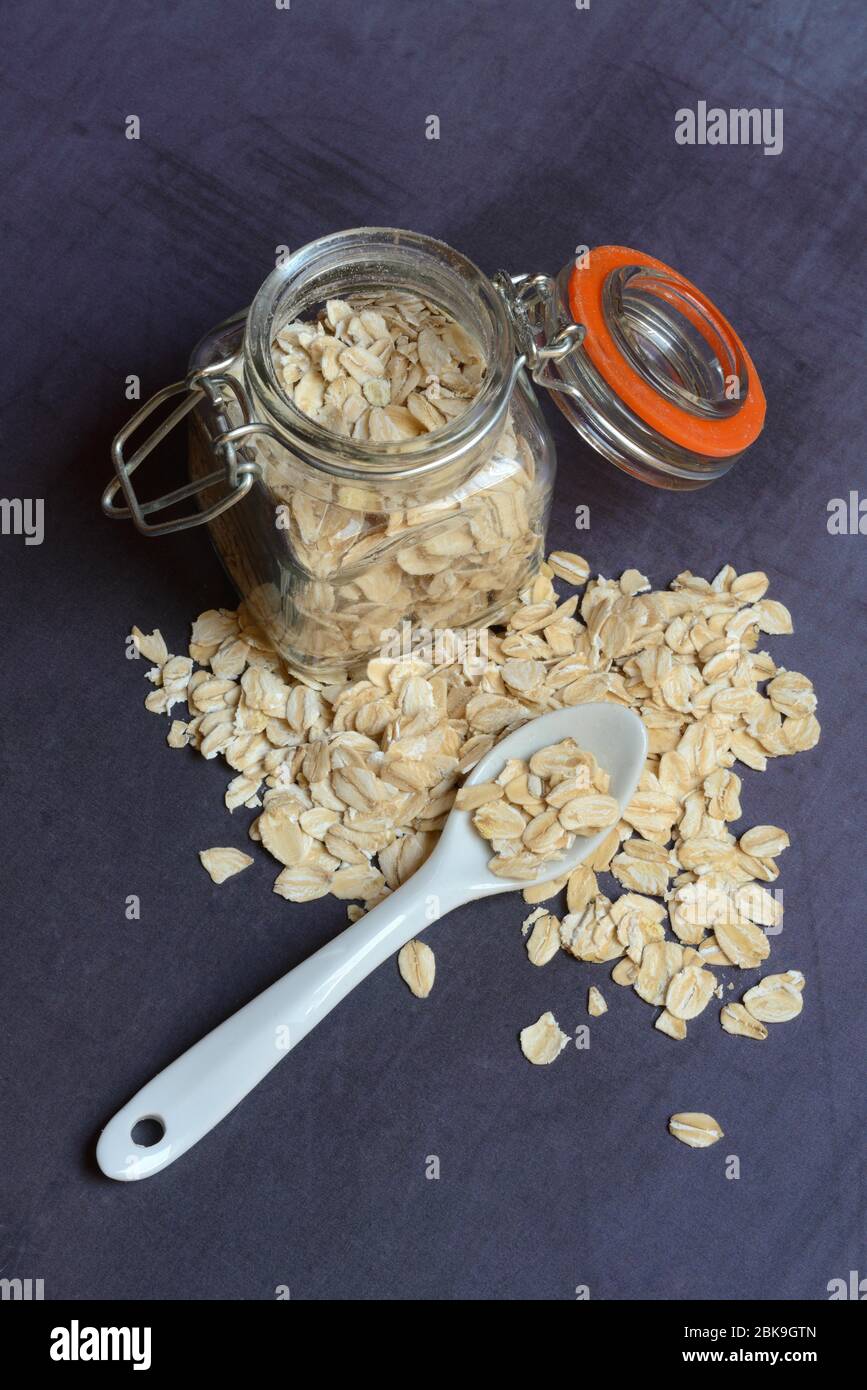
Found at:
(337, 543)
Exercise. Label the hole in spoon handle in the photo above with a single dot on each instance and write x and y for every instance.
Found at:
(134, 1144)
(147, 1132)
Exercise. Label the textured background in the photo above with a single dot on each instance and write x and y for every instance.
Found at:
(261, 127)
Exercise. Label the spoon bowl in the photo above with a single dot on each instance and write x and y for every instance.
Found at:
(616, 738)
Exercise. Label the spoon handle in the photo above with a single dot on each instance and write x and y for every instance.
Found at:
(194, 1093)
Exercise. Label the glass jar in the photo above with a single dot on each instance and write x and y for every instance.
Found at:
(339, 545)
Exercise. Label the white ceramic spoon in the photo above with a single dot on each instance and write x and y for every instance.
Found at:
(194, 1093)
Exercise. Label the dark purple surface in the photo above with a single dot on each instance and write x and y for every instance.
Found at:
(262, 127)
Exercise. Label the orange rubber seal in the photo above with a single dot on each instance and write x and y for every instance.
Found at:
(715, 438)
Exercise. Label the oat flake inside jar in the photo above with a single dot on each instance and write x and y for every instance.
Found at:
(367, 450)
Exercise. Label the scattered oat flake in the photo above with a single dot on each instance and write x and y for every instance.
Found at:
(776, 998)
(302, 884)
(222, 862)
(673, 1027)
(471, 798)
(596, 1005)
(634, 582)
(417, 967)
(569, 566)
(151, 645)
(542, 1042)
(543, 892)
(738, 1020)
(742, 942)
(625, 972)
(660, 963)
(178, 735)
(581, 888)
(694, 1128)
(689, 992)
(764, 841)
(543, 942)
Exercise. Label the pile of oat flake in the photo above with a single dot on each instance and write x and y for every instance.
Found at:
(352, 781)
(380, 367)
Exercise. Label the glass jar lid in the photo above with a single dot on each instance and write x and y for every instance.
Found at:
(642, 363)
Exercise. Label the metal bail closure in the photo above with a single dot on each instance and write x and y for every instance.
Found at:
(237, 473)
(527, 297)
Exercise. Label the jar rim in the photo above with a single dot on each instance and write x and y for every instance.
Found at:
(326, 264)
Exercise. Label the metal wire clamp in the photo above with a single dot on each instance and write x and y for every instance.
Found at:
(526, 297)
(237, 472)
